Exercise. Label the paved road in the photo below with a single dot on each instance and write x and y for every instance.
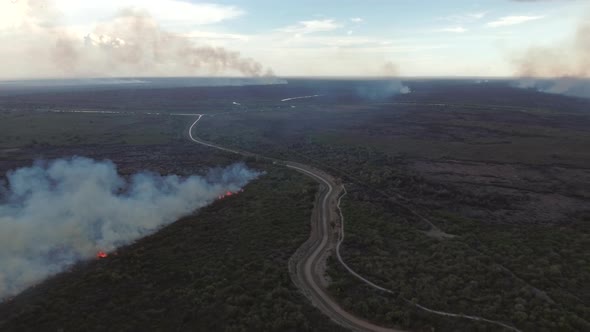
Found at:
(309, 257)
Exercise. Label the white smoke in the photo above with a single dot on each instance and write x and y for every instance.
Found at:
(560, 68)
(54, 214)
(404, 90)
(36, 41)
(383, 89)
(568, 86)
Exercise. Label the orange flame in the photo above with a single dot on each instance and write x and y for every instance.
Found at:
(101, 254)
(229, 193)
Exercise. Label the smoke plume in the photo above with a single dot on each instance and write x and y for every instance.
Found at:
(131, 44)
(134, 43)
(54, 214)
(386, 88)
(382, 89)
(390, 69)
(568, 64)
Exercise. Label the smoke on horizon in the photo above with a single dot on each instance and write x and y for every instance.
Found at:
(132, 44)
(382, 89)
(558, 69)
(56, 213)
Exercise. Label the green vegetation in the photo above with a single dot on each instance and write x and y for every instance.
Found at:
(223, 269)
(503, 171)
(18, 129)
(483, 134)
(513, 258)
(524, 275)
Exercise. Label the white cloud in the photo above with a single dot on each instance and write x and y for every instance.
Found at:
(512, 20)
(163, 10)
(75, 14)
(356, 20)
(353, 43)
(305, 27)
(12, 15)
(457, 29)
(465, 18)
(476, 16)
(216, 36)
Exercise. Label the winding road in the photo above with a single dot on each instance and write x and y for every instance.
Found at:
(307, 265)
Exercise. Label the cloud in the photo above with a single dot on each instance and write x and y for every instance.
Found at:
(312, 26)
(512, 20)
(543, 0)
(457, 29)
(356, 20)
(341, 41)
(15, 14)
(163, 10)
(464, 18)
(215, 36)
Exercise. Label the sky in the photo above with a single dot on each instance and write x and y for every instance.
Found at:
(73, 38)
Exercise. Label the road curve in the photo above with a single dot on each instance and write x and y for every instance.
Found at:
(305, 265)
(306, 262)
(307, 268)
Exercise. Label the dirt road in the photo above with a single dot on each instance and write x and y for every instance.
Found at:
(307, 264)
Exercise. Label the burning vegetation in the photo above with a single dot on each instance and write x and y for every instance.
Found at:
(229, 193)
(101, 255)
(90, 196)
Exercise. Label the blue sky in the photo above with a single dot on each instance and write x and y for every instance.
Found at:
(346, 37)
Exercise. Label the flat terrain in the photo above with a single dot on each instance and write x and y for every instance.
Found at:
(465, 198)
(30, 128)
(504, 184)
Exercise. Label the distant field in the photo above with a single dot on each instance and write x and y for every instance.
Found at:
(502, 136)
(24, 128)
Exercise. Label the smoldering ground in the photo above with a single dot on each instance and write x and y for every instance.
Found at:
(53, 214)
